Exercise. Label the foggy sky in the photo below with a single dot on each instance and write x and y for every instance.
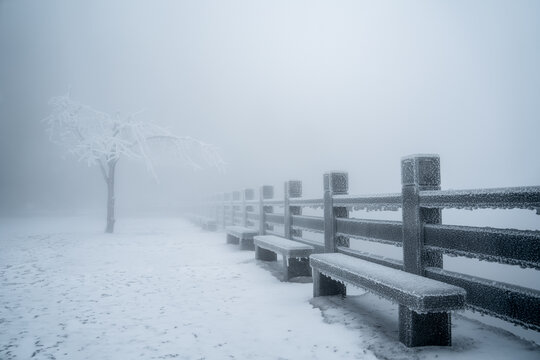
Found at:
(286, 90)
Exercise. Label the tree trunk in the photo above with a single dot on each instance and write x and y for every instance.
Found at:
(110, 198)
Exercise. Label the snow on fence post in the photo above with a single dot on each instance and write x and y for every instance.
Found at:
(232, 208)
(223, 210)
(219, 212)
(214, 208)
(226, 203)
(249, 194)
(265, 192)
(418, 173)
(292, 189)
(235, 200)
(335, 183)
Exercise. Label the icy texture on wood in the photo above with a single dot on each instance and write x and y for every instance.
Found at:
(276, 202)
(275, 219)
(252, 216)
(313, 203)
(415, 292)
(337, 182)
(421, 170)
(509, 302)
(509, 246)
(311, 223)
(374, 258)
(317, 245)
(388, 232)
(526, 197)
(377, 202)
(283, 246)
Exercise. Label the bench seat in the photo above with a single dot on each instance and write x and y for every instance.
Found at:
(241, 235)
(205, 223)
(295, 255)
(423, 301)
(209, 224)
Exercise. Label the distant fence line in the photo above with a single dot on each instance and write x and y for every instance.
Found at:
(421, 233)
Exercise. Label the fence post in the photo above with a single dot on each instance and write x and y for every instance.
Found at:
(215, 205)
(292, 189)
(265, 192)
(223, 210)
(235, 198)
(335, 183)
(420, 172)
(232, 208)
(249, 194)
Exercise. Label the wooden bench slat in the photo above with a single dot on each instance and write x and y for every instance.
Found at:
(413, 291)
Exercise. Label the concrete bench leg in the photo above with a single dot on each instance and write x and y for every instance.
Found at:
(263, 254)
(232, 239)
(246, 244)
(296, 267)
(325, 286)
(424, 329)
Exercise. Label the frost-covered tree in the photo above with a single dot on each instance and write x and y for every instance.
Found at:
(100, 139)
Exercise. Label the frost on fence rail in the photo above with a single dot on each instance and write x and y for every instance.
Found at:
(512, 303)
(377, 202)
(507, 246)
(274, 202)
(526, 197)
(306, 202)
(381, 231)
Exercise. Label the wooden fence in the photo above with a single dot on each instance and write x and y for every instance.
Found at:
(421, 234)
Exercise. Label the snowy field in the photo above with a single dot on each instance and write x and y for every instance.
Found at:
(163, 289)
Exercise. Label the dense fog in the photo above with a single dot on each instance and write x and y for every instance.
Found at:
(286, 90)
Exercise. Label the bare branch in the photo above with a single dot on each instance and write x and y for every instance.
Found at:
(96, 137)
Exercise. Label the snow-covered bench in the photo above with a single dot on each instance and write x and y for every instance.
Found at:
(204, 222)
(209, 224)
(410, 291)
(241, 235)
(295, 254)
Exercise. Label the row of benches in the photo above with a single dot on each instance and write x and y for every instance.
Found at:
(421, 300)
(204, 222)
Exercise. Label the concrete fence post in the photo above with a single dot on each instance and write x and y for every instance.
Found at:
(420, 172)
(292, 189)
(223, 210)
(235, 199)
(265, 192)
(248, 194)
(335, 183)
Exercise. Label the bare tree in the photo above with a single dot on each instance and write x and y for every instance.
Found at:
(101, 139)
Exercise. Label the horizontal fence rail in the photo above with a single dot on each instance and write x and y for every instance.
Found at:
(369, 202)
(509, 302)
(421, 234)
(311, 223)
(316, 203)
(500, 198)
(517, 247)
(389, 232)
(275, 219)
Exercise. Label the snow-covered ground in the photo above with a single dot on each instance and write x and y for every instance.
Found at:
(161, 288)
